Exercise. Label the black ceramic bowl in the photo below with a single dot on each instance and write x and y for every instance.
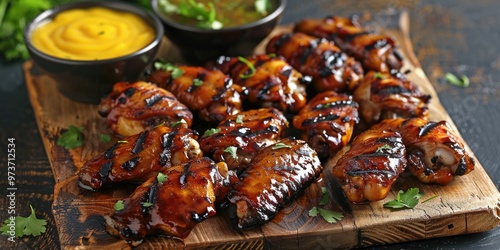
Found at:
(198, 45)
(88, 81)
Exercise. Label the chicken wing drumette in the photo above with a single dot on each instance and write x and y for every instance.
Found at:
(172, 202)
(210, 93)
(140, 156)
(135, 107)
(238, 138)
(267, 81)
(327, 122)
(329, 67)
(276, 175)
(375, 51)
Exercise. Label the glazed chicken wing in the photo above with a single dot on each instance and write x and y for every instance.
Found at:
(329, 67)
(134, 107)
(375, 51)
(272, 82)
(172, 202)
(274, 177)
(372, 164)
(211, 93)
(138, 157)
(390, 95)
(238, 138)
(435, 152)
(327, 122)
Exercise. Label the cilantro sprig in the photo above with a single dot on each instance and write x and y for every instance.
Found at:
(205, 15)
(25, 226)
(72, 138)
(327, 215)
(175, 71)
(232, 151)
(408, 199)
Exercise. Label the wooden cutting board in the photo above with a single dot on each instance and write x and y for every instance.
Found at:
(469, 204)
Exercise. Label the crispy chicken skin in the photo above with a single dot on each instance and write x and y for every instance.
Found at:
(276, 175)
(327, 122)
(174, 204)
(248, 132)
(435, 153)
(134, 107)
(138, 157)
(375, 51)
(372, 164)
(390, 95)
(210, 93)
(329, 67)
(274, 83)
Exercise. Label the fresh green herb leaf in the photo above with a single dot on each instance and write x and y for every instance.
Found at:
(239, 119)
(262, 6)
(325, 199)
(211, 131)
(119, 205)
(177, 123)
(463, 81)
(204, 14)
(379, 75)
(25, 226)
(161, 177)
(430, 198)
(280, 145)
(72, 138)
(327, 215)
(232, 151)
(105, 138)
(381, 148)
(197, 82)
(250, 66)
(175, 71)
(146, 204)
(408, 199)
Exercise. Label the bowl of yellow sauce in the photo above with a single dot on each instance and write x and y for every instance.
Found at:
(205, 29)
(86, 47)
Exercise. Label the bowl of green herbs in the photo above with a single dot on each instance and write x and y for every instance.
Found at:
(205, 29)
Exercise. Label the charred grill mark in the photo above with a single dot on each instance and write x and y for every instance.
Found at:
(168, 139)
(329, 117)
(369, 172)
(462, 167)
(428, 127)
(267, 85)
(129, 92)
(350, 37)
(281, 40)
(389, 90)
(286, 72)
(105, 169)
(377, 44)
(110, 152)
(153, 100)
(149, 198)
(139, 143)
(193, 87)
(185, 174)
(122, 100)
(130, 164)
(247, 132)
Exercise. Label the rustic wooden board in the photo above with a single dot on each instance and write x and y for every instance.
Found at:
(469, 204)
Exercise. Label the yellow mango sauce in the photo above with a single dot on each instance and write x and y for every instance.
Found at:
(92, 34)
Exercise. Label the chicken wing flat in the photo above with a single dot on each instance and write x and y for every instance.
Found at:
(238, 138)
(329, 67)
(267, 81)
(276, 175)
(173, 202)
(390, 95)
(211, 93)
(327, 122)
(435, 152)
(375, 51)
(372, 164)
(138, 157)
(134, 107)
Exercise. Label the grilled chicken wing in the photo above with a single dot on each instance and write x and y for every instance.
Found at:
(140, 156)
(374, 51)
(174, 203)
(435, 152)
(389, 95)
(274, 177)
(272, 82)
(238, 138)
(134, 107)
(372, 164)
(211, 93)
(327, 122)
(329, 67)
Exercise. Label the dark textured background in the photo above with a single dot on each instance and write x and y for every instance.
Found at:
(461, 37)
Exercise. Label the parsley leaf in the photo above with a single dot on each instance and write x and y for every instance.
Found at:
(25, 226)
(324, 197)
(250, 66)
(105, 138)
(175, 71)
(72, 138)
(327, 215)
(177, 123)
(239, 119)
(146, 204)
(463, 81)
(197, 82)
(379, 75)
(211, 131)
(280, 145)
(381, 148)
(161, 177)
(232, 151)
(408, 199)
(119, 205)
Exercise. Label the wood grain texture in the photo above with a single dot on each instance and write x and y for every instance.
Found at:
(469, 204)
